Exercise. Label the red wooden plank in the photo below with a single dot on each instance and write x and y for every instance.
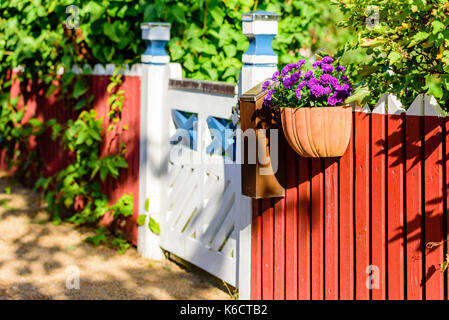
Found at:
(446, 167)
(291, 236)
(267, 250)
(413, 195)
(279, 249)
(395, 195)
(433, 197)
(378, 227)
(362, 210)
(256, 251)
(303, 228)
(346, 249)
(317, 242)
(331, 229)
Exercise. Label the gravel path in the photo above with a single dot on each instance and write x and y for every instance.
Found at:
(37, 257)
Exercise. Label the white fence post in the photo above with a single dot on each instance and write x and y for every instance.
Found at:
(259, 63)
(153, 133)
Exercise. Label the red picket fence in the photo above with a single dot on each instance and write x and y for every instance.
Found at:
(55, 158)
(380, 204)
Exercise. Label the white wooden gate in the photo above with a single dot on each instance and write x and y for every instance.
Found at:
(201, 223)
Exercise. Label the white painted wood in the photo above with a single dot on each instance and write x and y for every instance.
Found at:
(153, 153)
(417, 106)
(432, 108)
(381, 105)
(394, 106)
(203, 194)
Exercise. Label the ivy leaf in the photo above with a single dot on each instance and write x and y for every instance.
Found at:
(394, 57)
(154, 226)
(147, 204)
(141, 219)
(419, 37)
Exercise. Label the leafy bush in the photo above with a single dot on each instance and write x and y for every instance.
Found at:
(407, 43)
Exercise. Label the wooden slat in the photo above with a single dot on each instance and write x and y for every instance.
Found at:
(256, 251)
(414, 216)
(331, 228)
(362, 210)
(317, 242)
(279, 249)
(267, 250)
(291, 227)
(433, 201)
(346, 249)
(378, 226)
(395, 195)
(304, 231)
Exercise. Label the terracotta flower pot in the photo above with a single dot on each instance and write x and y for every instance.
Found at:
(317, 132)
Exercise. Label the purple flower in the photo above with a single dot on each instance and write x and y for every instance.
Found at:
(327, 68)
(308, 74)
(265, 85)
(300, 64)
(318, 90)
(316, 64)
(340, 68)
(312, 82)
(332, 101)
(269, 95)
(267, 99)
(327, 90)
(287, 69)
(344, 79)
(327, 79)
(291, 80)
(275, 75)
(302, 84)
(298, 92)
(327, 60)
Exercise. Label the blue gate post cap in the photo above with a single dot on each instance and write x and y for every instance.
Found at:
(156, 35)
(260, 27)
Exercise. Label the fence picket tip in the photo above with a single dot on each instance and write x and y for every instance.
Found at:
(381, 104)
(432, 108)
(417, 106)
(394, 106)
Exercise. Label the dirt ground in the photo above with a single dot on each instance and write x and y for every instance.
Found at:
(37, 257)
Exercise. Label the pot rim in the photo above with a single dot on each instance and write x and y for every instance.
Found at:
(326, 107)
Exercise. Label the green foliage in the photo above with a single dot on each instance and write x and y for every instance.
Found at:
(408, 49)
(76, 187)
(153, 225)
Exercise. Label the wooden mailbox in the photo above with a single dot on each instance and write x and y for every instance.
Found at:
(262, 163)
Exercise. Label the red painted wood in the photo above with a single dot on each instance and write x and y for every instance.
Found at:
(362, 209)
(267, 250)
(331, 229)
(280, 234)
(304, 231)
(446, 167)
(395, 195)
(433, 196)
(256, 251)
(317, 242)
(291, 237)
(414, 215)
(346, 249)
(378, 227)
(56, 158)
